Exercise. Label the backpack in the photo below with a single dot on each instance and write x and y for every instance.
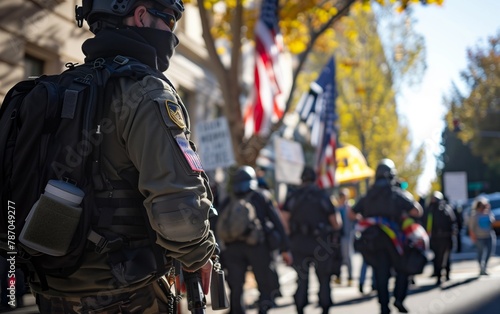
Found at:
(308, 207)
(239, 222)
(382, 201)
(50, 130)
(308, 215)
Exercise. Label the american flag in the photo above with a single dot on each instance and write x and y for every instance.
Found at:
(267, 102)
(317, 110)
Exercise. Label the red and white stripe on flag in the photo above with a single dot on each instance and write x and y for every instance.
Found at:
(327, 166)
(267, 103)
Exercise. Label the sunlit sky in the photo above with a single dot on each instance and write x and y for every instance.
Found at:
(448, 31)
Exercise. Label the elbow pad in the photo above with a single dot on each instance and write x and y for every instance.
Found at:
(179, 222)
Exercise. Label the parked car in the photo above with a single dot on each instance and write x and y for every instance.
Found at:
(494, 199)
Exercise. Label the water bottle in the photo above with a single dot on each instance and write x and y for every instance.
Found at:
(53, 219)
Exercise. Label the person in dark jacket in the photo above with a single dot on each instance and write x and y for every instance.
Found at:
(314, 226)
(238, 255)
(347, 234)
(440, 223)
(386, 202)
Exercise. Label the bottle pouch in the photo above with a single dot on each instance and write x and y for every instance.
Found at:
(50, 226)
(53, 219)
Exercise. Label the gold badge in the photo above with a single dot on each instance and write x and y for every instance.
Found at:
(175, 113)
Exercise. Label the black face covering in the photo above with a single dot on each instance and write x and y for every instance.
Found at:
(151, 46)
(163, 41)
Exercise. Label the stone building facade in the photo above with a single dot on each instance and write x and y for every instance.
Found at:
(41, 36)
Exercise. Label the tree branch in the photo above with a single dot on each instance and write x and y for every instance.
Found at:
(216, 63)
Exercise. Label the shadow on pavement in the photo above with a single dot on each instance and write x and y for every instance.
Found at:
(421, 288)
(364, 298)
(463, 282)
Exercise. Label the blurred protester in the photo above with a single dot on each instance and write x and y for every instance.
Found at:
(238, 254)
(314, 223)
(383, 208)
(481, 231)
(440, 223)
(344, 208)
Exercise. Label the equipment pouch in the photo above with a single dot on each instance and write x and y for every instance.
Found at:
(132, 265)
(218, 293)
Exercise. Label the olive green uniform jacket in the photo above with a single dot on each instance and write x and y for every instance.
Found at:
(146, 127)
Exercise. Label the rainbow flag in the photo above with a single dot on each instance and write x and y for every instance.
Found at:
(407, 233)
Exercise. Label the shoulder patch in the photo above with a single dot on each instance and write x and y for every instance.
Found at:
(175, 113)
(191, 156)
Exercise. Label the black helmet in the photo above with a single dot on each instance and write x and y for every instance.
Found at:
(111, 12)
(244, 179)
(385, 169)
(308, 174)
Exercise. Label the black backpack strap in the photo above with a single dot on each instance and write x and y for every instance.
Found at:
(107, 69)
(72, 96)
(119, 66)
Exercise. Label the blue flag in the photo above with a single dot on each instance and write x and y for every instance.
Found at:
(317, 110)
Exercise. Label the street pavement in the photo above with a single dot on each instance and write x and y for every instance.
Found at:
(465, 293)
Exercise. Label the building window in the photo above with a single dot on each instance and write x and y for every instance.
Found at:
(33, 66)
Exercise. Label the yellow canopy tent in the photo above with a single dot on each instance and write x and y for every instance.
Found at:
(351, 165)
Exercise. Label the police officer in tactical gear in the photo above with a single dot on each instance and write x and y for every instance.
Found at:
(152, 178)
(386, 200)
(440, 223)
(239, 255)
(313, 222)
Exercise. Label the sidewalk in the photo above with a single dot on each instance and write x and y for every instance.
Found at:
(348, 299)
